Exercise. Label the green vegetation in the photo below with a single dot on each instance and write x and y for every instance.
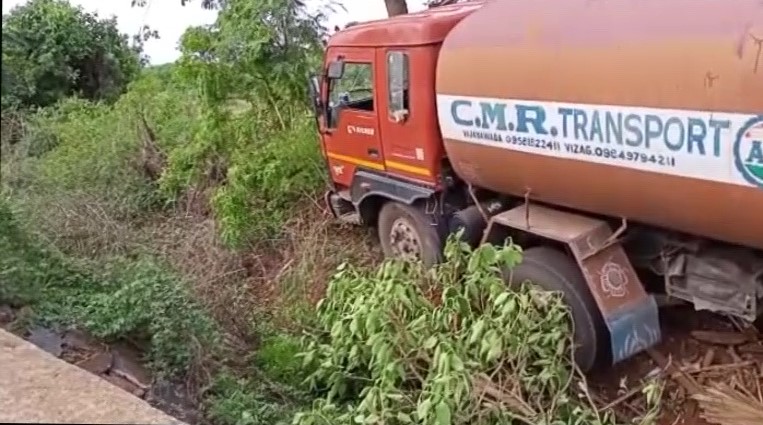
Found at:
(52, 50)
(181, 214)
(445, 346)
(166, 207)
(116, 299)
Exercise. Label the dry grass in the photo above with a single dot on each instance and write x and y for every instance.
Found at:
(83, 224)
(270, 277)
(725, 404)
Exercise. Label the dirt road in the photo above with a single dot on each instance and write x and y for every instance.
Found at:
(37, 387)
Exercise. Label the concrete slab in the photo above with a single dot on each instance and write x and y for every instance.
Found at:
(38, 387)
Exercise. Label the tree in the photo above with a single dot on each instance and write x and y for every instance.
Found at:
(52, 50)
(396, 7)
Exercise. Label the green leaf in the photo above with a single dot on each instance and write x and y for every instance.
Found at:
(404, 418)
(422, 410)
(430, 342)
(501, 299)
(476, 331)
(494, 352)
(457, 363)
(442, 413)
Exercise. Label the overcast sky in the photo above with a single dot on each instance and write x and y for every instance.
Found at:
(171, 19)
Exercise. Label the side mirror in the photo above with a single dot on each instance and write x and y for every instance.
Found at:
(314, 90)
(335, 70)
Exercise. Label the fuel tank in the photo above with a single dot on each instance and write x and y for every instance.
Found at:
(651, 110)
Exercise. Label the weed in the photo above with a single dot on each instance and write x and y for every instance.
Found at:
(277, 359)
(247, 401)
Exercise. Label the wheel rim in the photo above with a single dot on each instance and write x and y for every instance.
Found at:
(404, 240)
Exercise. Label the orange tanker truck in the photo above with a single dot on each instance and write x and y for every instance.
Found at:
(616, 141)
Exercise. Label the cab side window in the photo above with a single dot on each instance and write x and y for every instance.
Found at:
(355, 90)
(398, 81)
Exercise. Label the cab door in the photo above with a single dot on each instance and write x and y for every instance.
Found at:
(351, 138)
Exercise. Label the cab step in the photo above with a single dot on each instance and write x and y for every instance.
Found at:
(350, 218)
(342, 207)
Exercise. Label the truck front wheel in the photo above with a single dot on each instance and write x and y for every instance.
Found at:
(553, 270)
(406, 232)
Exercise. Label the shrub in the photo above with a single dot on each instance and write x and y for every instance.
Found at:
(112, 298)
(26, 267)
(446, 346)
(52, 50)
(141, 298)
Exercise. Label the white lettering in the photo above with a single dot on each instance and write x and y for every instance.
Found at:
(366, 131)
(707, 145)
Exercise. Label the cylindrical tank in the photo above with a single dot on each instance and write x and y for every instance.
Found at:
(646, 109)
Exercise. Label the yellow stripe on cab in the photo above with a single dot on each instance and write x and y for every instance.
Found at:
(378, 166)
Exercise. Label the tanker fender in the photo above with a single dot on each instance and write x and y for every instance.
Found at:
(629, 313)
(370, 190)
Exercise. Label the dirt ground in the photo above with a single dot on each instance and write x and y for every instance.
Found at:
(701, 352)
(38, 387)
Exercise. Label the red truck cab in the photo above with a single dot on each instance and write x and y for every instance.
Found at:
(378, 120)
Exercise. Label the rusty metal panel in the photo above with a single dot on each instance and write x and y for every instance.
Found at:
(630, 313)
(612, 280)
(549, 222)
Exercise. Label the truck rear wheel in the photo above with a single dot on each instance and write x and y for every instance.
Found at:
(553, 270)
(406, 232)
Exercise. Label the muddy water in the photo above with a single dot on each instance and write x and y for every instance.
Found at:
(119, 363)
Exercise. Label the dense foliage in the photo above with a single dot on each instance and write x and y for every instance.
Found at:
(52, 50)
(451, 345)
(96, 194)
(112, 298)
(254, 147)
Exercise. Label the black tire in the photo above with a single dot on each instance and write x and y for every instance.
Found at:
(428, 240)
(553, 270)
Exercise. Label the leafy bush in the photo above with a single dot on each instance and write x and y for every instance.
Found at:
(85, 171)
(95, 147)
(112, 298)
(446, 346)
(253, 151)
(266, 181)
(141, 298)
(52, 50)
(26, 267)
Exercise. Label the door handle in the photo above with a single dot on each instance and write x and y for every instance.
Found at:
(373, 152)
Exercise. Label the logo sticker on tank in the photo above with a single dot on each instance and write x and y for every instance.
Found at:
(716, 146)
(748, 151)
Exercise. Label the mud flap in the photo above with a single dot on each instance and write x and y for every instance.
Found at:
(630, 314)
(633, 329)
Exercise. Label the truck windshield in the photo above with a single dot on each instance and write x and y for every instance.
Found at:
(355, 89)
